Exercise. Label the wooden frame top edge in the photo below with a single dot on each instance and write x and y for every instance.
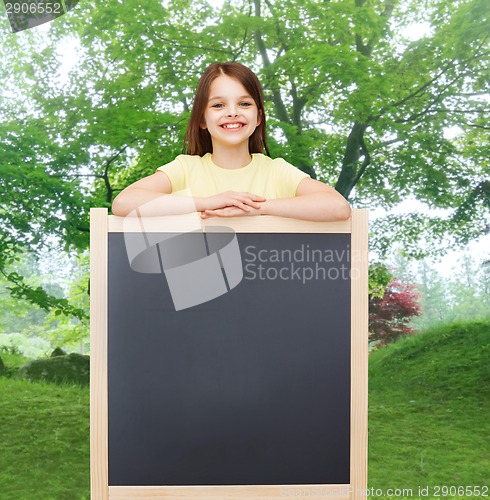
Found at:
(192, 222)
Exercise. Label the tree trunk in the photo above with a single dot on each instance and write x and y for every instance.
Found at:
(351, 169)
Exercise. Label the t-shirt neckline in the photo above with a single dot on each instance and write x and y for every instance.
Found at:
(209, 158)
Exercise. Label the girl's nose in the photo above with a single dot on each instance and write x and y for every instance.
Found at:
(232, 114)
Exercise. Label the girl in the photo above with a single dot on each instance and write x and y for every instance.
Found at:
(225, 169)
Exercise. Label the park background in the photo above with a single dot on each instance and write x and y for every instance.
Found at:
(383, 99)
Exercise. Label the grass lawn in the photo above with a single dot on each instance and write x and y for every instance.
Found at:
(429, 411)
(429, 422)
(44, 441)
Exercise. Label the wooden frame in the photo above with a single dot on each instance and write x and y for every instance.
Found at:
(100, 225)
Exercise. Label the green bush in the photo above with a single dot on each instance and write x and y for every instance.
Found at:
(72, 368)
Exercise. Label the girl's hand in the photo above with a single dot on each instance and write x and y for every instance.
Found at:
(229, 212)
(242, 201)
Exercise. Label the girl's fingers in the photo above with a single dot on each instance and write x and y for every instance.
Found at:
(253, 201)
(243, 201)
(253, 204)
(208, 213)
(239, 204)
(249, 197)
(244, 207)
(255, 197)
(222, 212)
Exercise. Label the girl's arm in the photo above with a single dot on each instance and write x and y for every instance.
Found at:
(152, 196)
(313, 201)
(141, 193)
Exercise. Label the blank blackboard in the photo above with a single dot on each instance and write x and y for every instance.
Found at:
(251, 388)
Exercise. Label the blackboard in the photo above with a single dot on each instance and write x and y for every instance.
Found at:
(251, 388)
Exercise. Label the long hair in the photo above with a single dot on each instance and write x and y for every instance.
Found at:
(197, 141)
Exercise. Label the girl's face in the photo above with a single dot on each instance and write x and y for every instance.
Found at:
(231, 115)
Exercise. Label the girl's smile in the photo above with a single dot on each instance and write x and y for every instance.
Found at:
(232, 126)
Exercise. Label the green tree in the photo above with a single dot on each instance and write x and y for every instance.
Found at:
(37, 302)
(460, 294)
(468, 291)
(19, 316)
(66, 330)
(435, 300)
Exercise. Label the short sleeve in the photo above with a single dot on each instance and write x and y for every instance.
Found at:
(176, 173)
(288, 178)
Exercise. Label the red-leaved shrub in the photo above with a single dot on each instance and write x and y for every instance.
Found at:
(390, 315)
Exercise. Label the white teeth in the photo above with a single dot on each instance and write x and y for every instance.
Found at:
(232, 125)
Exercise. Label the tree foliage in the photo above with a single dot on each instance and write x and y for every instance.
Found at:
(462, 295)
(49, 304)
(102, 99)
(379, 279)
(449, 292)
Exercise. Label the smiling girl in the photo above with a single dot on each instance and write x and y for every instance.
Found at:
(224, 168)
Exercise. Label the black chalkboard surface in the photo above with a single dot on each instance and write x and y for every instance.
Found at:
(250, 388)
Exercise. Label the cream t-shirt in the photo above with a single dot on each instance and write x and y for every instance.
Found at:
(263, 176)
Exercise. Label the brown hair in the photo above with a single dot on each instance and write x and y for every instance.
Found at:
(197, 141)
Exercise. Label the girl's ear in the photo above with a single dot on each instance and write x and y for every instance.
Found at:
(259, 117)
(203, 125)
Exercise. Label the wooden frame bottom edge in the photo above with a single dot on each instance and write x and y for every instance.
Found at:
(262, 492)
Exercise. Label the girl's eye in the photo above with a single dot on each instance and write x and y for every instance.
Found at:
(220, 105)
